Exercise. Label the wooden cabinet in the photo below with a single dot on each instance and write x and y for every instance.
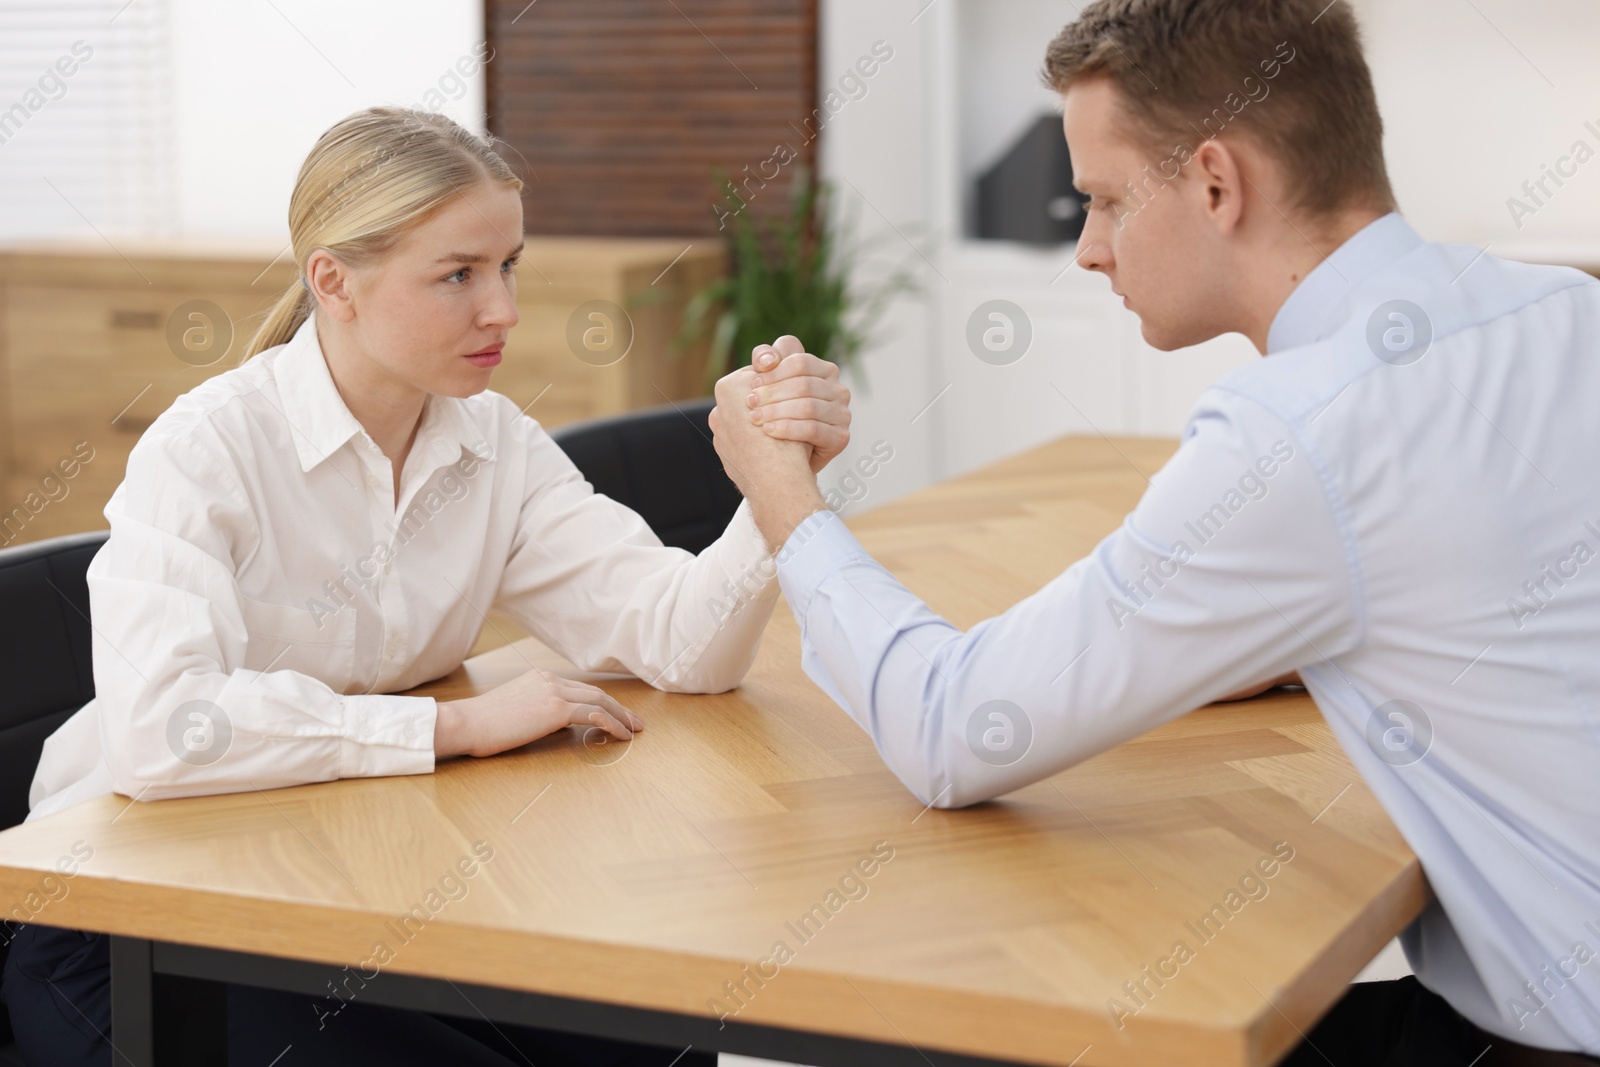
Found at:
(87, 365)
(96, 341)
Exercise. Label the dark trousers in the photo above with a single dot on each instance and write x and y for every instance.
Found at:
(1403, 1024)
(57, 989)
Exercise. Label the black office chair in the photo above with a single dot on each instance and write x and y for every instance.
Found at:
(44, 653)
(660, 462)
(45, 661)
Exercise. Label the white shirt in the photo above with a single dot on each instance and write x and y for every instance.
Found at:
(257, 564)
(1422, 527)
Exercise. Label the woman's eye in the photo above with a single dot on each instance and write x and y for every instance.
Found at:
(459, 276)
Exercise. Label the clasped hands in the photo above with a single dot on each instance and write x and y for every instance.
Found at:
(776, 424)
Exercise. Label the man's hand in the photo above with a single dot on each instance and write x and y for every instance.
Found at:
(773, 473)
(797, 397)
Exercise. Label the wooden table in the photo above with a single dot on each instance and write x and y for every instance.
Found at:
(631, 887)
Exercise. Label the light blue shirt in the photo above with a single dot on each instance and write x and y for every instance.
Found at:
(1402, 502)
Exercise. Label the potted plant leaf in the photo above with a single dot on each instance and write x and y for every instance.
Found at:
(793, 275)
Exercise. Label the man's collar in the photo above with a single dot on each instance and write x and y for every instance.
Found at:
(1307, 316)
(321, 423)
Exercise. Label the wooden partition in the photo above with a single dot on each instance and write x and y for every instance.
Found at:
(616, 112)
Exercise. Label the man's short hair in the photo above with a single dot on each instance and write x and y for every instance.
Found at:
(1288, 73)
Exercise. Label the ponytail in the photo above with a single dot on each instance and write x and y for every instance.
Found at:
(283, 321)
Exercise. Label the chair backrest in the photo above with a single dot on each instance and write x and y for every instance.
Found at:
(44, 654)
(660, 462)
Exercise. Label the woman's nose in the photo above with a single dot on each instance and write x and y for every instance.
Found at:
(502, 309)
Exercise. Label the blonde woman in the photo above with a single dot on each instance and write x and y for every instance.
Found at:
(327, 524)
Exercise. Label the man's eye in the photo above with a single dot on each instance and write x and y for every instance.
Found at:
(463, 270)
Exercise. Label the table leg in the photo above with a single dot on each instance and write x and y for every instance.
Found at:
(132, 1005)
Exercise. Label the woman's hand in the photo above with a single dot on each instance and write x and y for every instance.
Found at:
(525, 709)
(797, 397)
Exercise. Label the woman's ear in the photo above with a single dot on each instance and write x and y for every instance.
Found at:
(328, 280)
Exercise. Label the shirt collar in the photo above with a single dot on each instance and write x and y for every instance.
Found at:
(1310, 312)
(321, 424)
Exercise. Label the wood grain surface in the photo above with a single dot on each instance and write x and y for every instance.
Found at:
(749, 854)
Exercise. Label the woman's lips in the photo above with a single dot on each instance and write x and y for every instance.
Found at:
(489, 357)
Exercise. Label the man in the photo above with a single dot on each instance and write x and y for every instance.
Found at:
(1400, 502)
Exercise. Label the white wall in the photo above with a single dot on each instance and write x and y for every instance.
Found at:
(875, 149)
(256, 84)
(1476, 99)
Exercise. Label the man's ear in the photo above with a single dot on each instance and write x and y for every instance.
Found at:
(329, 279)
(1221, 182)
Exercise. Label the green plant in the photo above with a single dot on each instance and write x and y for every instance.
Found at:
(791, 276)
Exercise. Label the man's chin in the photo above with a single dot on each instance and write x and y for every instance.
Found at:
(1168, 337)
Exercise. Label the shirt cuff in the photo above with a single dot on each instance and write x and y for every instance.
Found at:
(386, 735)
(817, 547)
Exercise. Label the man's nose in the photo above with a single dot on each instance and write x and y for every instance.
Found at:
(1094, 245)
(1093, 253)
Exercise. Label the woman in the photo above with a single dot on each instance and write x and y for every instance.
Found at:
(328, 523)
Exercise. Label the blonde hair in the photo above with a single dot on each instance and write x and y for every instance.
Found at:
(367, 181)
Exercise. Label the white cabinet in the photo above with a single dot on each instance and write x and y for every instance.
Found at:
(1087, 368)
(1070, 379)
